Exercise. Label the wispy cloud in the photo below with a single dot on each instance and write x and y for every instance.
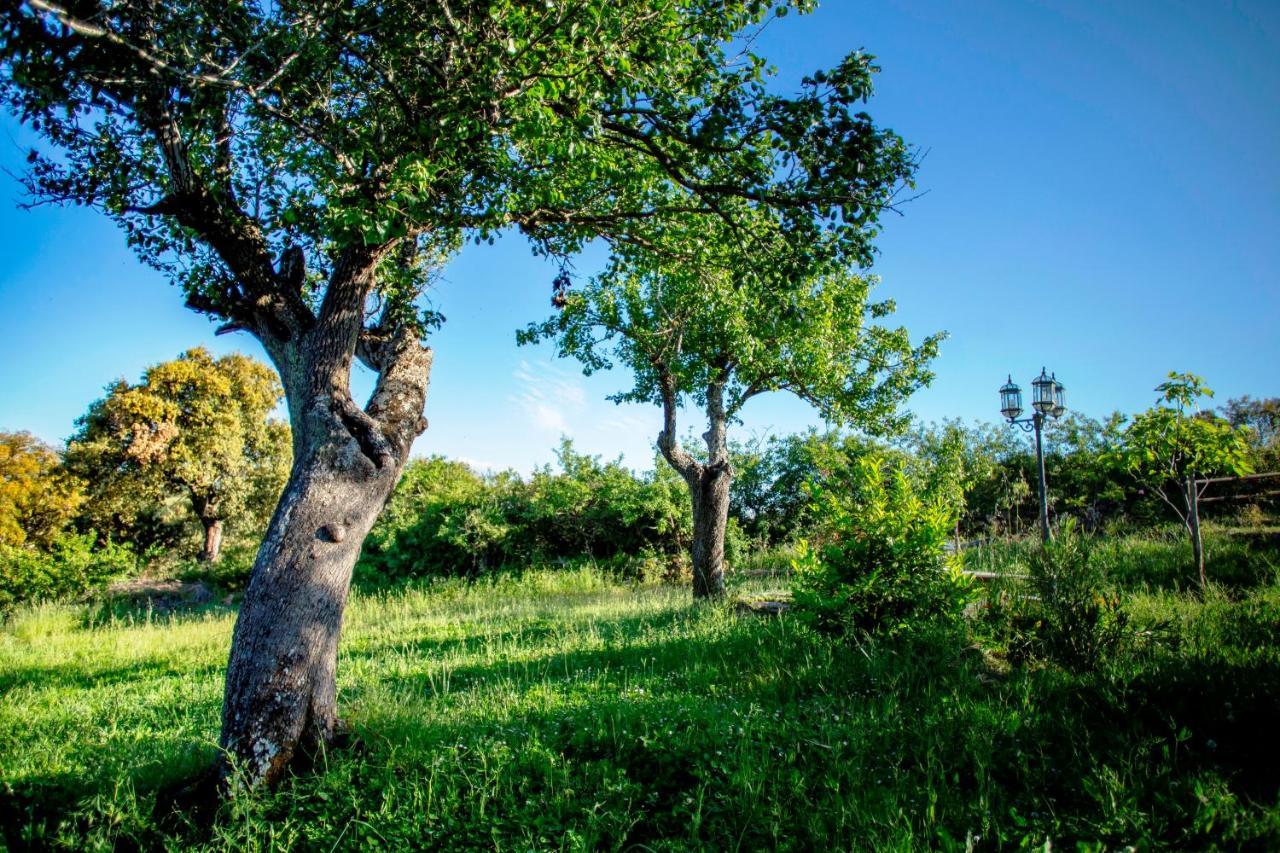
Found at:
(631, 423)
(549, 395)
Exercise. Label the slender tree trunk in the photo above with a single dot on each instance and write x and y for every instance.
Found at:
(1193, 528)
(710, 493)
(708, 486)
(212, 540)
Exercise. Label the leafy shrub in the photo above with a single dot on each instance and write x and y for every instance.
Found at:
(445, 519)
(649, 567)
(71, 566)
(423, 530)
(736, 546)
(598, 510)
(1080, 622)
(1251, 515)
(231, 572)
(883, 568)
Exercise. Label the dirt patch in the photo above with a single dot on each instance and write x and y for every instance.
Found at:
(161, 596)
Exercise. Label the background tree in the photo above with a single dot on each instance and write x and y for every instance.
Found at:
(1085, 484)
(1168, 446)
(1262, 417)
(698, 331)
(38, 497)
(298, 169)
(769, 496)
(1002, 467)
(950, 461)
(197, 426)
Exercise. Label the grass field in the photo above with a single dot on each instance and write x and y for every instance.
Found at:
(565, 711)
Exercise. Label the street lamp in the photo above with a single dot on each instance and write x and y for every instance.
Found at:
(1048, 400)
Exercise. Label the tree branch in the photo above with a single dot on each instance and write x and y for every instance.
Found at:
(668, 443)
(340, 321)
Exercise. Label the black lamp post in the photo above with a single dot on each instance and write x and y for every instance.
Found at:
(1049, 400)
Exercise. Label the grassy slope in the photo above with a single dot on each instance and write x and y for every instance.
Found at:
(561, 711)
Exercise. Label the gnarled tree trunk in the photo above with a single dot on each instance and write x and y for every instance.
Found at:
(281, 695)
(280, 690)
(708, 486)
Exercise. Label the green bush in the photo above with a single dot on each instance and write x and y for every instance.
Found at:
(883, 568)
(446, 520)
(597, 509)
(648, 567)
(230, 574)
(1080, 621)
(71, 566)
(424, 528)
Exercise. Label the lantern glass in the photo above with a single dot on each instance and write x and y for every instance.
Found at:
(1059, 399)
(1010, 399)
(1042, 393)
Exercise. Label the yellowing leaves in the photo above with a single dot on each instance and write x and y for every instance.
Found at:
(37, 497)
(196, 426)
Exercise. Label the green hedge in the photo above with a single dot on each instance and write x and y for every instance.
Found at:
(72, 566)
(446, 520)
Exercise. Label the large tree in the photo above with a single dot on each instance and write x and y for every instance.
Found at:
(298, 167)
(723, 323)
(196, 426)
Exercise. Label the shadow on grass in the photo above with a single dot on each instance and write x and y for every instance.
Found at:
(744, 730)
(129, 613)
(532, 632)
(1234, 560)
(44, 811)
(82, 677)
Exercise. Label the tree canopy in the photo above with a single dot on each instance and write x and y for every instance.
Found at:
(223, 137)
(680, 330)
(197, 426)
(1170, 442)
(702, 317)
(300, 169)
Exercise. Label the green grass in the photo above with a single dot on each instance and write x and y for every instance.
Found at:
(1236, 558)
(563, 711)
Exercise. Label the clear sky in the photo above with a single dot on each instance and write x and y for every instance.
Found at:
(1103, 197)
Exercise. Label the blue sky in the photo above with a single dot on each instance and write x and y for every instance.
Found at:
(1103, 197)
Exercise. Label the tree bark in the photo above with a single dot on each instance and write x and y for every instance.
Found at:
(708, 485)
(212, 540)
(710, 519)
(1193, 528)
(281, 693)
